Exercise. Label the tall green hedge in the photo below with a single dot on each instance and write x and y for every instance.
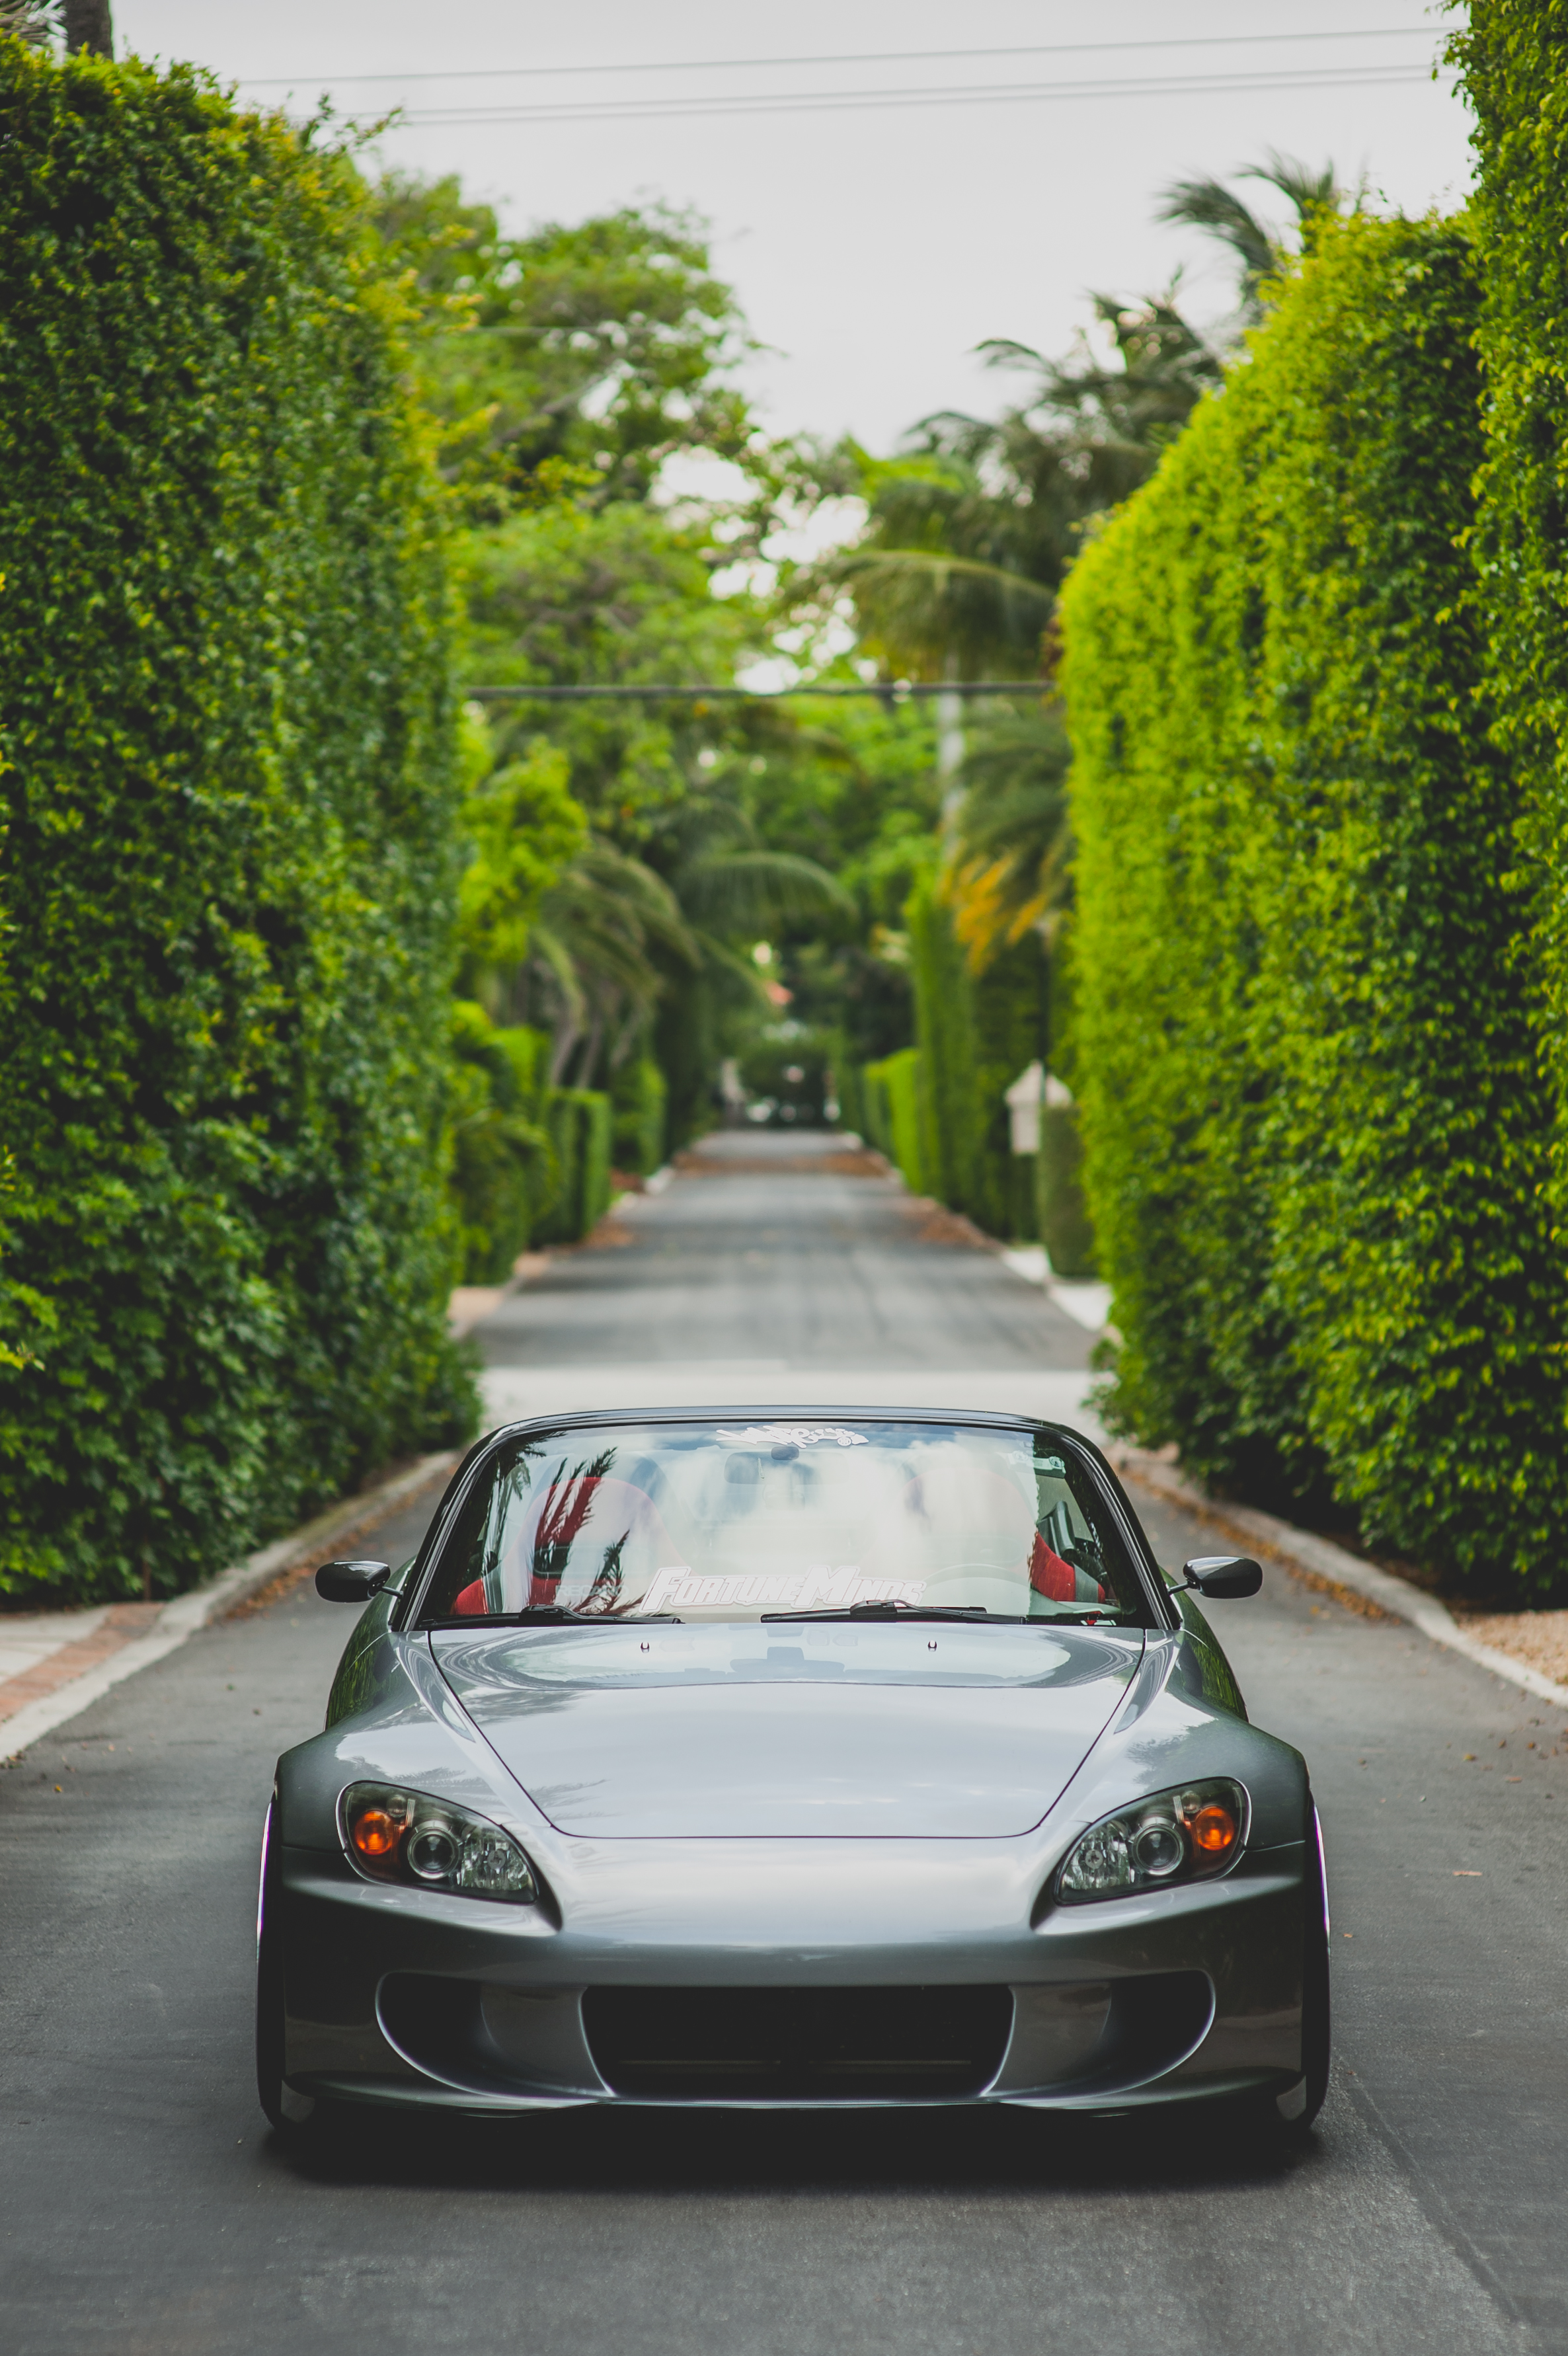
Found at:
(1307, 1039)
(505, 1175)
(640, 1098)
(1010, 1009)
(580, 1122)
(229, 866)
(891, 1096)
(1061, 1212)
(1511, 57)
(974, 1034)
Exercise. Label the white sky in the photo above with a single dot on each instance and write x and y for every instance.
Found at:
(873, 247)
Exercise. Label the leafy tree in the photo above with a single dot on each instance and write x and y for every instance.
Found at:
(574, 594)
(584, 356)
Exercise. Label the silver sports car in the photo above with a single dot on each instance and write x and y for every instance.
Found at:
(772, 1758)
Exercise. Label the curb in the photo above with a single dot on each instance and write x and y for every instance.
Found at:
(1319, 1561)
(181, 1619)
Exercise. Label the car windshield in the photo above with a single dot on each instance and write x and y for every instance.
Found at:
(738, 1521)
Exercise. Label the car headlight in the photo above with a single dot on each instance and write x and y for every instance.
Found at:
(1187, 1835)
(408, 1837)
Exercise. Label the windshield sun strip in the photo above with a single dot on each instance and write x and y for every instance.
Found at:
(408, 1609)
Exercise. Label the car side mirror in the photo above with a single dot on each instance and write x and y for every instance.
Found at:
(352, 1583)
(1221, 1577)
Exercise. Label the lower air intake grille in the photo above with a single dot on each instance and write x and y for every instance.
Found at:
(798, 2045)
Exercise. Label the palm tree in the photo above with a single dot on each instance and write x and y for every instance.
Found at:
(613, 934)
(732, 890)
(970, 532)
(1010, 852)
(969, 536)
(594, 971)
(37, 22)
(1209, 205)
(89, 26)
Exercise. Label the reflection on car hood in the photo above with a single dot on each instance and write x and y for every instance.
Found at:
(929, 1730)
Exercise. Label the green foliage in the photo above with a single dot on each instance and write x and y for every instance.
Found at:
(951, 1116)
(575, 595)
(1012, 843)
(620, 316)
(1305, 1048)
(1061, 1211)
(974, 1034)
(1511, 61)
(1010, 998)
(581, 1122)
(229, 860)
(893, 1123)
(790, 1066)
(639, 1095)
(505, 1174)
(524, 829)
(1209, 205)
(972, 530)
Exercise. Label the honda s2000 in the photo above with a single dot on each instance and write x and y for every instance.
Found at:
(773, 1759)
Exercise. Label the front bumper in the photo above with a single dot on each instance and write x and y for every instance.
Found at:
(418, 1999)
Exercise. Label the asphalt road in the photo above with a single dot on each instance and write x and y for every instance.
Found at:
(772, 1252)
(147, 2208)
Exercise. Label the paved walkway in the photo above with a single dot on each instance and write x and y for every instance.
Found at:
(147, 2208)
(42, 1651)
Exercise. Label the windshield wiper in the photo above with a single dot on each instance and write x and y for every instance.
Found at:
(557, 1615)
(969, 1613)
(887, 1610)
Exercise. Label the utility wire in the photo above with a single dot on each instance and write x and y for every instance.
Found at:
(877, 101)
(899, 689)
(842, 58)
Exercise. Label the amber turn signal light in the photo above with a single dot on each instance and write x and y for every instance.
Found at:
(1213, 1829)
(374, 1833)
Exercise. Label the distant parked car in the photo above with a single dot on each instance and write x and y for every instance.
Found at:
(784, 1758)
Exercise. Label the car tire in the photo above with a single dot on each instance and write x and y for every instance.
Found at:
(291, 2114)
(1294, 2112)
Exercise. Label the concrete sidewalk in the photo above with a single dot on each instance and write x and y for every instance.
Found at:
(61, 1662)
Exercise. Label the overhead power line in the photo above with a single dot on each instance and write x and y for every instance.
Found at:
(842, 58)
(740, 103)
(899, 689)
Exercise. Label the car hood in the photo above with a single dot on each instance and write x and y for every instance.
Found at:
(921, 1731)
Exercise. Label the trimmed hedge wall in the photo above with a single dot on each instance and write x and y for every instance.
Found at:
(1061, 1211)
(974, 1034)
(229, 861)
(891, 1090)
(1306, 1040)
(580, 1122)
(1511, 58)
(640, 1098)
(938, 1110)
(504, 1172)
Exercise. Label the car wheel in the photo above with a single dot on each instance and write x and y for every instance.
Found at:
(1299, 2105)
(292, 2115)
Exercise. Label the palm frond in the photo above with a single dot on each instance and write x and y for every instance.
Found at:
(1207, 204)
(37, 22)
(1012, 841)
(737, 891)
(1309, 191)
(935, 566)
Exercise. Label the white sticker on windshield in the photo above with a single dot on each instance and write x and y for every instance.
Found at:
(825, 1586)
(795, 1435)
